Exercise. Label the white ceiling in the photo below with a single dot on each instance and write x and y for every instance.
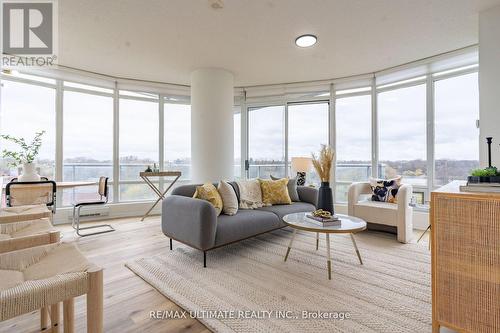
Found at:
(164, 40)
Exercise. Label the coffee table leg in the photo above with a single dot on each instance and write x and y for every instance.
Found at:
(317, 241)
(290, 244)
(356, 248)
(329, 262)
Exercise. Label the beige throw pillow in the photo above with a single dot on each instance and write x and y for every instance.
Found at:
(229, 199)
(250, 194)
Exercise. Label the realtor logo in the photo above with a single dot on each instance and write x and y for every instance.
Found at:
(28, 28)
(29, 32)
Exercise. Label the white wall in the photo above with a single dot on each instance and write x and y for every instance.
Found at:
(489, 82)
(212, 132)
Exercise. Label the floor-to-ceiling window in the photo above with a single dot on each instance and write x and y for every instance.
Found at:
(456, 108)
(87, 141)
(237, 142)
(307, 131)
(177, 133)
(353, 142)
(266, 140)
(289, 126)
(25, 110)
(139, 144)
(403, 135)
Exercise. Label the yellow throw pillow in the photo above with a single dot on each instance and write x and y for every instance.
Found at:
(209, 193)
(275, 192)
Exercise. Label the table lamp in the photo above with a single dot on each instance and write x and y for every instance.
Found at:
(301, 165)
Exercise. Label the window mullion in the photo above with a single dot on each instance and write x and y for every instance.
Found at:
(332, 138)
(59, 164)
(375, 141)
(286, 140)
(430, 134)
(161, 138)
(116, 145)
(243, 137)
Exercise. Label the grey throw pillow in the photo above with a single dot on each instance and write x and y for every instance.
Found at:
(292, 188)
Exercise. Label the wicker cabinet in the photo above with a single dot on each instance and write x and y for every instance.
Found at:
(465, 236)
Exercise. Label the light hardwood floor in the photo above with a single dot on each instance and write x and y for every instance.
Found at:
(128, 300)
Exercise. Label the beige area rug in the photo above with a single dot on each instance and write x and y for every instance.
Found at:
(390, 293)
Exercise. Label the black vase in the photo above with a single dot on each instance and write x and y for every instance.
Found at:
(325, 197)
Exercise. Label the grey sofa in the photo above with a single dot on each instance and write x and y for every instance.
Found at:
(194, 221)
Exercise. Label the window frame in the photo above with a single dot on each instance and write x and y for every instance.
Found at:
(428, 79)
(244, 106)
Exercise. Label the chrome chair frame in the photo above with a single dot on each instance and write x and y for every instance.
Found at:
(103, 192)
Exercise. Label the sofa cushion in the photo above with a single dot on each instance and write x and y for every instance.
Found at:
(275, 192)
(208, 192)
(246, 223)
(188, 190)
(377, 212)
(250, 194)
(292, 188)
(385, 190)
(229, 198)
(282, 210)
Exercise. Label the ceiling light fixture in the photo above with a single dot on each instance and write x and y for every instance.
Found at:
(306, 40)
(216, 4)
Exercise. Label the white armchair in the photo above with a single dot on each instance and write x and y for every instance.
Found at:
(399, 215)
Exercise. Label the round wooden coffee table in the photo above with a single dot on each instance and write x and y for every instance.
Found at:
(349, 225)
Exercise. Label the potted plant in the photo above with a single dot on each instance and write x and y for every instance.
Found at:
(323, 166)
(487, 175)
(25, 157)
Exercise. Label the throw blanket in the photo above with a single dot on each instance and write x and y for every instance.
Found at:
(250, 194)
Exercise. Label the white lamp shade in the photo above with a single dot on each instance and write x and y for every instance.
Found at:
(301, 164)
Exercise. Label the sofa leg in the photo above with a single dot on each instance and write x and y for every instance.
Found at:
(205, 259)
(171, 246)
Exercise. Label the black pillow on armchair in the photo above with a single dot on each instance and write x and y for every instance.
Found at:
(385, 190)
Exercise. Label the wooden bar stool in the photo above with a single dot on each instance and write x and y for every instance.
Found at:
(21, 235)
(42, 277)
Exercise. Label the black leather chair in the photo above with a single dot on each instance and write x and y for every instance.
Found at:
(103, 193)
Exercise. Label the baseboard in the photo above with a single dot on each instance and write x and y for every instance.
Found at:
(120, 210)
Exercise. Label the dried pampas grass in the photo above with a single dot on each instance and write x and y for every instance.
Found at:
(323, 164)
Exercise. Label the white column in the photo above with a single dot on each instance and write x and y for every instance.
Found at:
(489, 83)
(212, 133)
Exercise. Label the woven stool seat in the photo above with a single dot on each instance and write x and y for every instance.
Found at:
(24, 213)
(25, 228)
(21, 235)
(43, 276)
